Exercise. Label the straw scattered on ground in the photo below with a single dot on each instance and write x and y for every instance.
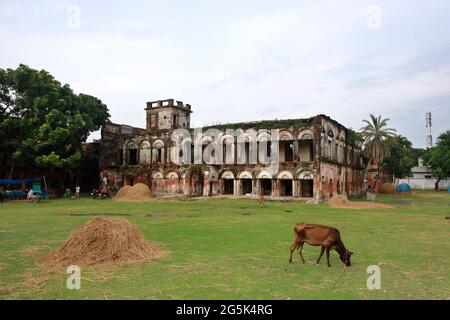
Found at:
(104, 241)
(341, 201)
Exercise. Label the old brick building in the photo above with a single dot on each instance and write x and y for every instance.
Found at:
(317, 157)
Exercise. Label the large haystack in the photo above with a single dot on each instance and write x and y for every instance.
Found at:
(387, 188)
(104, 241)
(138, 192)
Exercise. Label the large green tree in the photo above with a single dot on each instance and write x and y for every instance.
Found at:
(402, 157)
(44, 123)
(375, 135)
(438, 158)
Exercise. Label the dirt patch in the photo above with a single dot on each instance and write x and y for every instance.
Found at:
(387, 188)
(104, 241)
(340, 201)
(138, 192)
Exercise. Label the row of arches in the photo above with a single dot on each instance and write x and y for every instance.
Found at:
(265, 174)
(246, 148)
(240, 183)
(245, 174)
(245, 136)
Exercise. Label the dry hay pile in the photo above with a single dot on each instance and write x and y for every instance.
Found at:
(387, 188)
(138, 192)
(338, 200)
(104, 241)
(341, 201)
(122, 192)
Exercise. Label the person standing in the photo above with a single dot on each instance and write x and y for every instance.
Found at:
(30, 195)
(105, 184)
(77, 192)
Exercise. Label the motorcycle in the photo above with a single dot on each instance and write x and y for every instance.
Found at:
(100, 194)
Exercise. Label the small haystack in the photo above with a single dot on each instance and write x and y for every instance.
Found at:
(104, 241)
(138, 192)
(338, 200)
(387, 188)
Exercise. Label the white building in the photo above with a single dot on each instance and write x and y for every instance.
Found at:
(422, 179)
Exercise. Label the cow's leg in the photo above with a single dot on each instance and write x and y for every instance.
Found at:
(293, 246)
(300, 248)
(328, 256)
(322, 250)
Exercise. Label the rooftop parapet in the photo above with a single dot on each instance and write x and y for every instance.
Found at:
(168, 103)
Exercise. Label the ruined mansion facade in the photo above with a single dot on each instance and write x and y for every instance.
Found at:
(315, 157)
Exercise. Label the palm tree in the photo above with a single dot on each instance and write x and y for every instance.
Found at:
(375, 135)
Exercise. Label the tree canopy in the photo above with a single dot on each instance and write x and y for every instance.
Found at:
(44, 123)
(438, 158)
(375, 133)
(402, 157)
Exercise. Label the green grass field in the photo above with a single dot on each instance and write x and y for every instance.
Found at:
(232, 249)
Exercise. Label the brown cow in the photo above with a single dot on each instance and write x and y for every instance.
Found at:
(262, 201)
(318, 235)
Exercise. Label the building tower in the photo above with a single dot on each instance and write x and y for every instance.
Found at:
(428, 125)
(166, 115)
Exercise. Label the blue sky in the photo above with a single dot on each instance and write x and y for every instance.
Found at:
(244, 60)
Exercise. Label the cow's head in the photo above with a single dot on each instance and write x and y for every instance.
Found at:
(345, 257)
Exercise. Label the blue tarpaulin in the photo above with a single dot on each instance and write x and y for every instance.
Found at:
(3, 181)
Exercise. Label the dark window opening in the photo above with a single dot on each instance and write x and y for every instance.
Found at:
(175, 120)
(307, 188)
(246, 186)
(224, 159)
(228, 186)
(266, 187)
(133, 157)
(288, 151)
(120, 157)
(159, 155)
(286, 188)
(247, 152)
